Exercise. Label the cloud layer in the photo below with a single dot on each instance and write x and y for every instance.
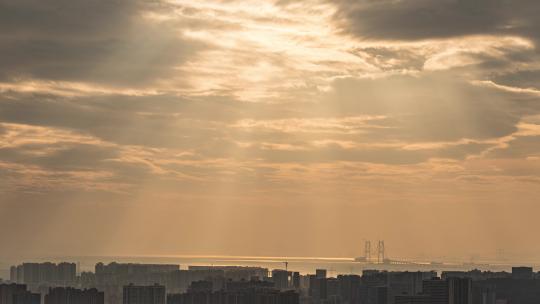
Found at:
(195, 109)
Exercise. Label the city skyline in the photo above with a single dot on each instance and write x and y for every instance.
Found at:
(151, 283)
(270, 128)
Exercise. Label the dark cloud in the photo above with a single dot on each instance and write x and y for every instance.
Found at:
(519, 148)
(422, 19)
(66, 18)
(388, 58)
(377, 155)
(105, 42)
(436, 107)
(154, 121)
(520, 79)
(62, 156)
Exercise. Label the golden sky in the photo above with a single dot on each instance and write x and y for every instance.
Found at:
(272, 128)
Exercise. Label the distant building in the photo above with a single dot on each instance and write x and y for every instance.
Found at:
(235, 273)
(48, 274)
(13, 274)
(133, 268)
(154, 294)
(65, 273)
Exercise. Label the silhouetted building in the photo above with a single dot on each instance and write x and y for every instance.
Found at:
(236, 273)
(332, 290)
(237, 292)
(349, 288)
(522, 291)
(405, 282)
(281, 278)
(437, 290)
(320, 273)
(17, 294)
(522, 273)
(27, 298)
(48, 274)
(412, 299)
(374, 282)
(201, 286)
(459, 291)
(8, 290)
(475, 275)
(317, 288)
(133, 268)
(68, 295)
(296, 280)
(13, 274)
(380, 295)
(154, 294)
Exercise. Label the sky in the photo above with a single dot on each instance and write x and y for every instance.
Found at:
(270, 128)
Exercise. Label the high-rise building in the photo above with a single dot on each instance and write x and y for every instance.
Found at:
(437, 290)
(248, 292)
(66, 273)
(332, 290)
(459, 291)
(30, 273)
(154, 294)
(133, 268)
(349, 288)
(69, 295)
(317, 288)
(406, 282)
(17, 294)
(201, 286)
(414, 299)
(13, 274)
(296, 280)
(522, 273)
(320, 273)
(48, 274)
(27, 298)
(381, 295)
(281, 278)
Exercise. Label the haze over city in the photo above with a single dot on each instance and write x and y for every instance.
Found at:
(270, 128)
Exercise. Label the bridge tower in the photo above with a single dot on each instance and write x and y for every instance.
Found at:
(380, 252)
(367, 251)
